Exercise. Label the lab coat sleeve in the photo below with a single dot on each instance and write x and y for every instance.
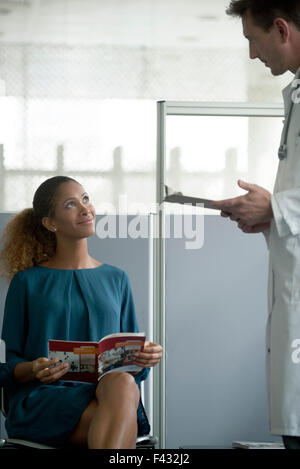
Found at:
(14, 326)
(286, 211)
(266, 234)
(129, 321)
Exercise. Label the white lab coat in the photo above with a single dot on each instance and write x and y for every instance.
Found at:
(283, 326)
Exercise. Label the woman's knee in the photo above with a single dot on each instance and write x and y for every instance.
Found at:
(118, 385)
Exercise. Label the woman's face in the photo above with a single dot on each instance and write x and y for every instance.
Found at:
(74, 215)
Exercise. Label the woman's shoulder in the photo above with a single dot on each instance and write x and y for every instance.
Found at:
(113, 274)
(26, 273)
(22, 277)
(112, 270)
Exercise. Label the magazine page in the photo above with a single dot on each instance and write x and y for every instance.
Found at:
(82, 358)
(116, 352)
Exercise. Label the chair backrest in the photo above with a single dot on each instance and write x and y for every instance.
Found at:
(3, 402)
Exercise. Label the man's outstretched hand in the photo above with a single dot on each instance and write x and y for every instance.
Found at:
(252, 211)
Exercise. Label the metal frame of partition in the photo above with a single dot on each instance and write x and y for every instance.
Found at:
(164, 109)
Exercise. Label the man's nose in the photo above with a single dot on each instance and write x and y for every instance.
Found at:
(253, 52)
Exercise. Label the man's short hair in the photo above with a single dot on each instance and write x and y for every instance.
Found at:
(264, 12)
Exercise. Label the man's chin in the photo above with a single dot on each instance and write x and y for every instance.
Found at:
(276, 72)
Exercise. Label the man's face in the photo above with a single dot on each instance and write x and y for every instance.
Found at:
(266, 46)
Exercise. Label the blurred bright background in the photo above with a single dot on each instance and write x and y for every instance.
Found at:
(82, 78)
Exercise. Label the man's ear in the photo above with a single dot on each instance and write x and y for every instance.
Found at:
(283, 29)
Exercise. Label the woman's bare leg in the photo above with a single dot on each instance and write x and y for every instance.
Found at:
(114, 424)
(79, 435)
(110, 421)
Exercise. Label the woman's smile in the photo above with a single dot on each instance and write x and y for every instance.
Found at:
(86, 222)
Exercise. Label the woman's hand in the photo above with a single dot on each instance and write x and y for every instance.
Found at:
(43, 370)
(150, 356)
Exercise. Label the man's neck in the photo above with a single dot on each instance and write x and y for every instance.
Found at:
(295, 68)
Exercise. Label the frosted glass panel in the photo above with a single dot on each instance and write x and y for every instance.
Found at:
(206, 155)
(107, 145)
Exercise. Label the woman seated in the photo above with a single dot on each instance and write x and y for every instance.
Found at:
(58, 291)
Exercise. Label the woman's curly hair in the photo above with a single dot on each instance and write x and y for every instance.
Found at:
(25, 241)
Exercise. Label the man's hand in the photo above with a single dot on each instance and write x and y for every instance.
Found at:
(251, 209)
(253, 229)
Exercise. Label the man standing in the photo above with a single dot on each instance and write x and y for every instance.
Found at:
(272, 28)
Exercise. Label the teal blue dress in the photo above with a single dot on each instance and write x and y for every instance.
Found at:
(64, 304)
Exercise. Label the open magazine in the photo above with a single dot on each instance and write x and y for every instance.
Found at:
(89, 361)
